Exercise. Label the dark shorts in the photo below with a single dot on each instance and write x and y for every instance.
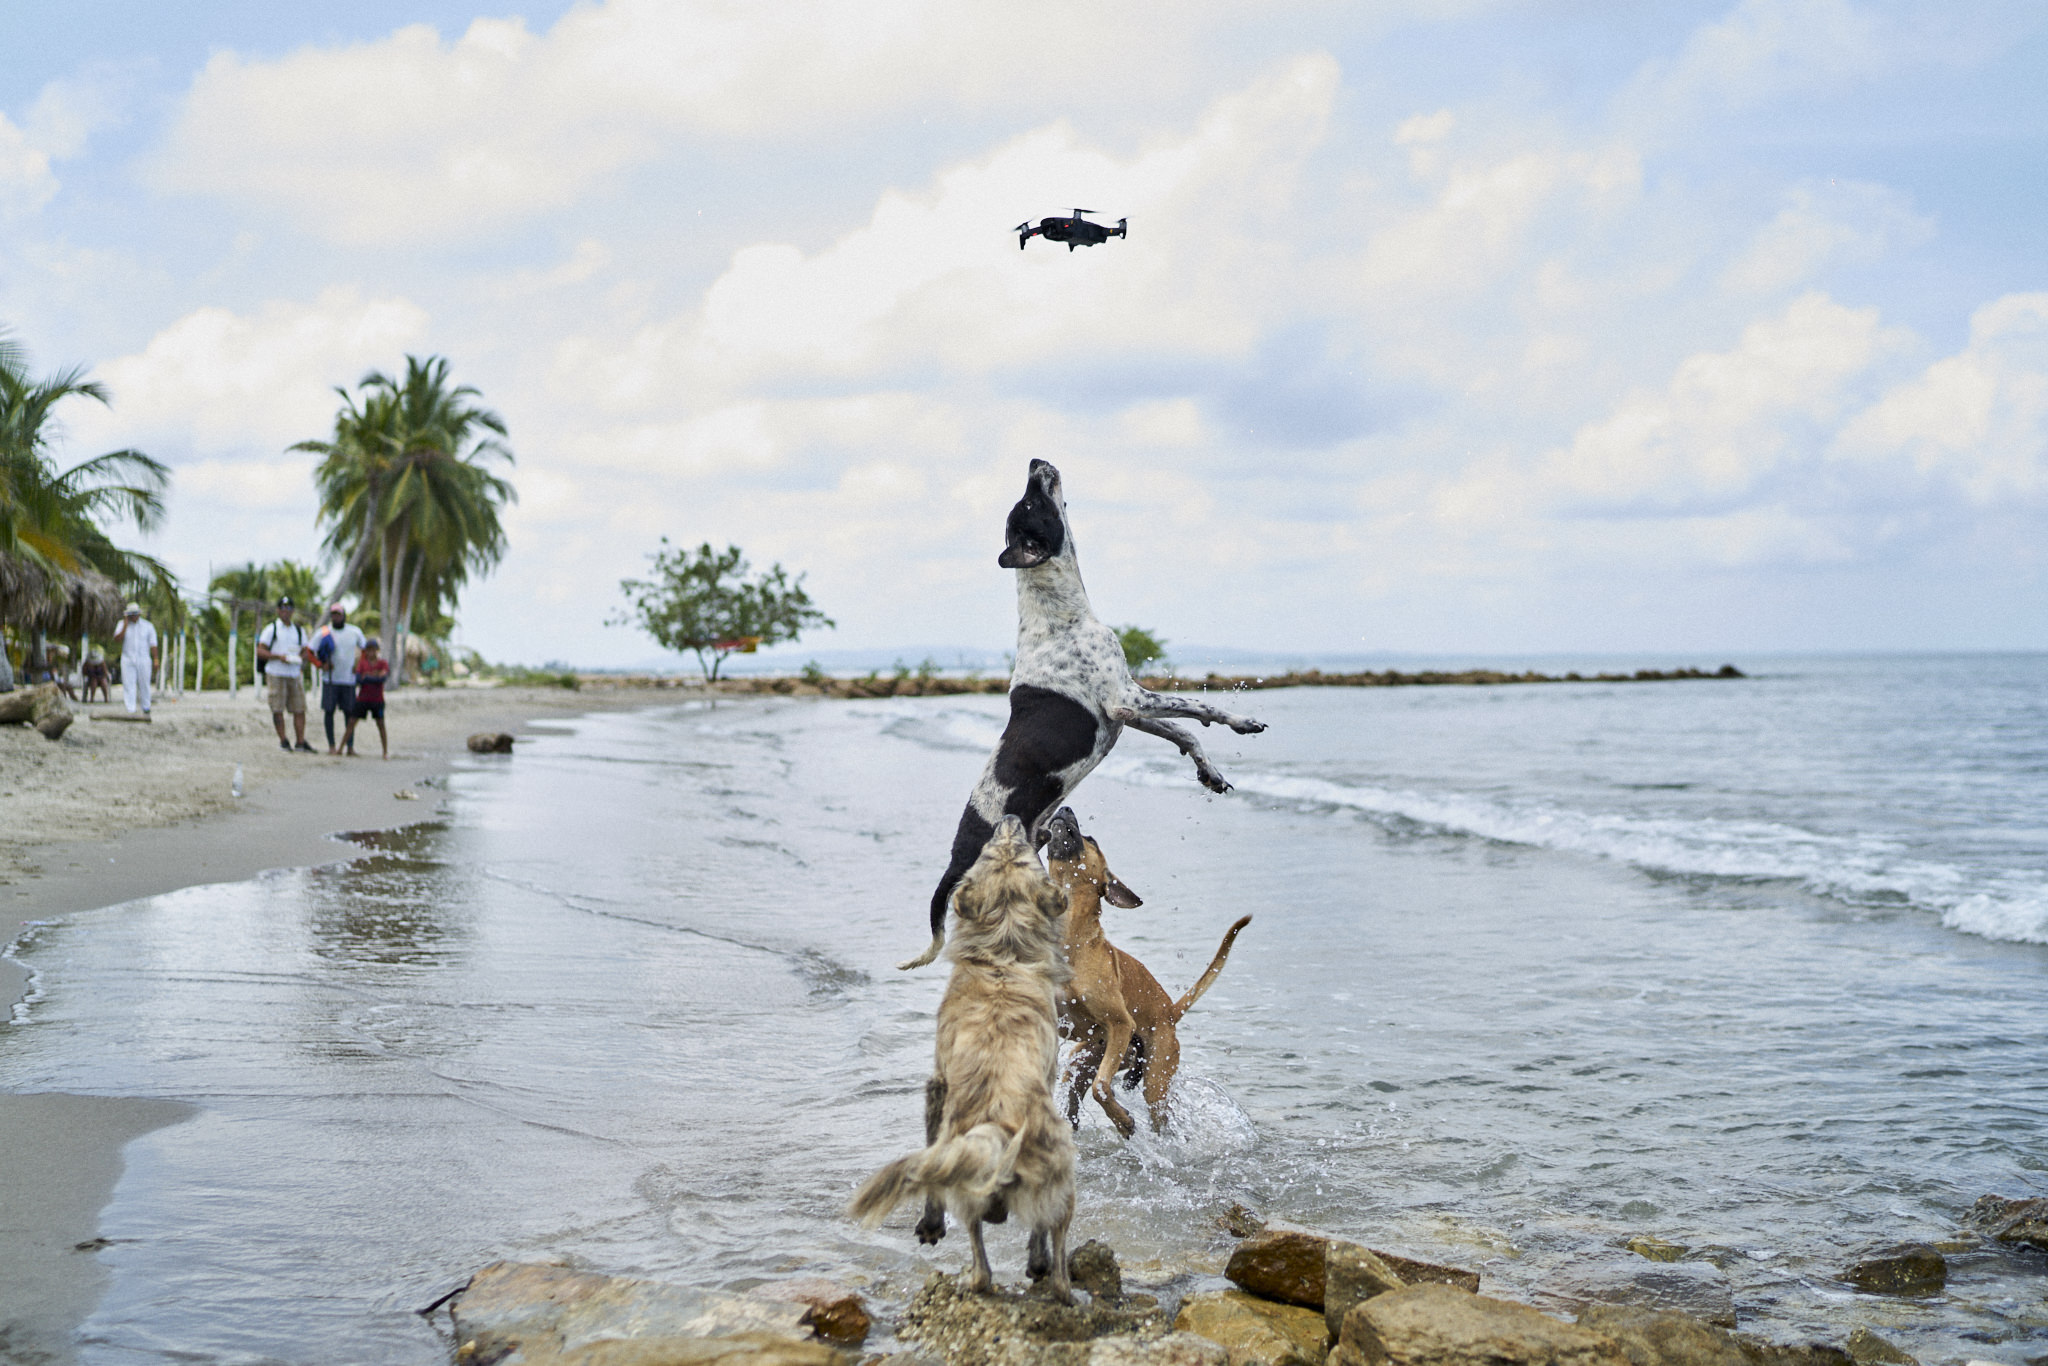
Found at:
(339, 697)
(363, 709)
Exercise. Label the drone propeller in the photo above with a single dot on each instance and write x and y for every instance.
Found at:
(1079, 212)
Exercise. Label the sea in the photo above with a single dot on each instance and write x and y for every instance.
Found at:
(1756, 967)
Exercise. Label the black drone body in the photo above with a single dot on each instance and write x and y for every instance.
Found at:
(1075, 231)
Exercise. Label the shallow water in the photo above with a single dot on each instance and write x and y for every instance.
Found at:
(1755, 967)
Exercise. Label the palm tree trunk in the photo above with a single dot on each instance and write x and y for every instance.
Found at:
(364, 542)
(412, 592)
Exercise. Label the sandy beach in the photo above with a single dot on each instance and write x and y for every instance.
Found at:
(118, 810)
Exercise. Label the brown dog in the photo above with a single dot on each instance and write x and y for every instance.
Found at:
(1113, 1004)
(996, 1144)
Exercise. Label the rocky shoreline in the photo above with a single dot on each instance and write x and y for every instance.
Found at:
(906, 683)
(1296, 1297)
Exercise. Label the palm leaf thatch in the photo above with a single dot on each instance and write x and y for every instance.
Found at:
(56, 601)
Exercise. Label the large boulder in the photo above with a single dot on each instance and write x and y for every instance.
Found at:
(2012, 1221)
(1289, 1264)
(1008, 1328)
(1648, 1337)
(1696, 1288)
(1902, 1269)
(552, 1316)
(1440, 1325)
(1256, 1332)
(1350, 1274)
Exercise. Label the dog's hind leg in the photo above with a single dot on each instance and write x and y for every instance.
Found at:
(931, 1225)
(983, 1279)
(1081, 1071)
(1162, 1061)
(1062, 1288)
(1121, 1026)
(1205, 772)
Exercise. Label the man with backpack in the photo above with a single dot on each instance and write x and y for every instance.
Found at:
(282, 650)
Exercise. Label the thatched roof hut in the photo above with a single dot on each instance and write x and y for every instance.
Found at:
(58, 603)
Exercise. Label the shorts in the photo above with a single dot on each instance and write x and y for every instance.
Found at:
(338, 697)
(363, 709)
(287, 694)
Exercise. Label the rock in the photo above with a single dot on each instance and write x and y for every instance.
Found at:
(1868, 1349)
(1011, 1329)
(486, 742)
(1648, 1337)
(1694, 1288)
(1428, 1273)
(1256, 1332)
(1282, 1264)
(1439, 1325)
(1175, 1349)
(552, 1316)
(2012, 1221)
(832, 1311)
(1239, 1222)
(1903, 1269)
(1656, 1249)
(1092, 1266)
(42, 707)
(1350, 1274)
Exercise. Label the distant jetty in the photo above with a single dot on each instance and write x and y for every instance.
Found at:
(924, 684)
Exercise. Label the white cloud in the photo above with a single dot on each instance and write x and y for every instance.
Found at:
(26, 183)
(216, 380)
(1823, 225)
(416, 137)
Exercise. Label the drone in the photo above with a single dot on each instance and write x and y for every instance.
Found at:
(1075, 232)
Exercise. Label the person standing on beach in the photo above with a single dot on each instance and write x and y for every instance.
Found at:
(282, 650)
(140, 658)
(337, 648)
(371, 671)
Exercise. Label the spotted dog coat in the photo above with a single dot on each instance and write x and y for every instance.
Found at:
(1071, 695)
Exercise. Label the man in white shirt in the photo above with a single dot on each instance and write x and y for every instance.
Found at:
(140, 658)
(336, 648)
(282, 650)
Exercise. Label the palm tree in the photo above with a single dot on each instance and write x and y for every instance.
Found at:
(59, 569)
(407, 493)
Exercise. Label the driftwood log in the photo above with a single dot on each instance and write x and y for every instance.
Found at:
(41, 706)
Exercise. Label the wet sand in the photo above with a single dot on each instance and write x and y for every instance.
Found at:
(119, 810)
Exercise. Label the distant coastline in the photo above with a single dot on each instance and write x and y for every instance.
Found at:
(931, 684)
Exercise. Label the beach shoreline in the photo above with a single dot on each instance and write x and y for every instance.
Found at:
(117, 811)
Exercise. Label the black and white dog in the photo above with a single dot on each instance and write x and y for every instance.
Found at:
(1071, 694)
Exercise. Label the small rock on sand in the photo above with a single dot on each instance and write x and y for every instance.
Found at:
(490, 742)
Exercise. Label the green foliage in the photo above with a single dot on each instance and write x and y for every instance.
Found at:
(702, 601)
(1141, 647)
(813, 673)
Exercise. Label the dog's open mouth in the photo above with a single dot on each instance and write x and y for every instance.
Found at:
(1023, 553)
(1063, 835)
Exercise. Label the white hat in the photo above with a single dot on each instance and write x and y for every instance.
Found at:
(133, 609)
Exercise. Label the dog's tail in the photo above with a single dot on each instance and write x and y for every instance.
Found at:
(1202, 983)
(975, 1164)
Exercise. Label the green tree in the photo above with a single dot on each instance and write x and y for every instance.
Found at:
(60, 570)
(1141, 647)
(702, 601)
(408, 497)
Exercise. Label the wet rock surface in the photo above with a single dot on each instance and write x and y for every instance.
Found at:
(1695, 1288)
(1656, 1249)
(1350, 1274)
(1092, 1267)
(1902, 1269)
(1868, 1349)
(1649, 1337)
(831, 1310)
(1256, 1332)
(1284, 1264)
(2012, 1221)
(538, 1315)
(1440, 1325)
(1008, 1328)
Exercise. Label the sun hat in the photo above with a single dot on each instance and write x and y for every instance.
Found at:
(133, 609)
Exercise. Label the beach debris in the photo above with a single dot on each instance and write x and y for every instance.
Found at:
(235, 783)
(1902, 1269)
(1351, 1274)
(2012, 1221)
(552, 1316)
(1868, 1349)
(1256, 1332)
(1435, 1325)
(831, 1310)
(491, 742)
(41, 707)
(1695, 1288)
(1648, 1337)
(1656, 1249)
(405, 794)
(1008, 1328)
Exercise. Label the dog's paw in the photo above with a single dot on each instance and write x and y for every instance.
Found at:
(1247, 726)
(931, 1228)
(1214, 781)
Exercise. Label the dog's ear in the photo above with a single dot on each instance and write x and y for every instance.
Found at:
(1116, 894)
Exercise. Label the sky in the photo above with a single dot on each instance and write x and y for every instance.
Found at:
(1443, 326)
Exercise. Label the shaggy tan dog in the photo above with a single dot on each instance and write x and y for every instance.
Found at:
(1113, 1004)
(998, 1145)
